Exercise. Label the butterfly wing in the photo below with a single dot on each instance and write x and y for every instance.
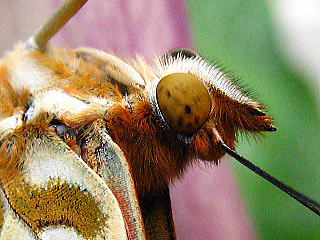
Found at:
(57, 196)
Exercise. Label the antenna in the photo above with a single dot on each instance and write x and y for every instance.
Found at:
(59, 18)
(313, 205)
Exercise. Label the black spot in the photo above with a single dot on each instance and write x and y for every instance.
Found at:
(188, 109)
(168, 94)
(180, 121)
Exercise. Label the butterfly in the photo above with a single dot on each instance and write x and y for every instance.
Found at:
(89, 141)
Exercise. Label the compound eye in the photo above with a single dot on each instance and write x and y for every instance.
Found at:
(184, 102)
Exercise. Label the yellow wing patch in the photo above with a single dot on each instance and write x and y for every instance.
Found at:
(56, 203)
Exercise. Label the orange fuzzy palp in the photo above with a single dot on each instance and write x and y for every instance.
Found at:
(239, 116)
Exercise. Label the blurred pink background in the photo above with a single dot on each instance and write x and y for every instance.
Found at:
(206, 202)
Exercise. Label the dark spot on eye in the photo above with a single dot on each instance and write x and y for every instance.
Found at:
(180, 122)
(168, 94)
(188, 109)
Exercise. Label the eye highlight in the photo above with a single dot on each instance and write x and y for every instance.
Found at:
(184, 102)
